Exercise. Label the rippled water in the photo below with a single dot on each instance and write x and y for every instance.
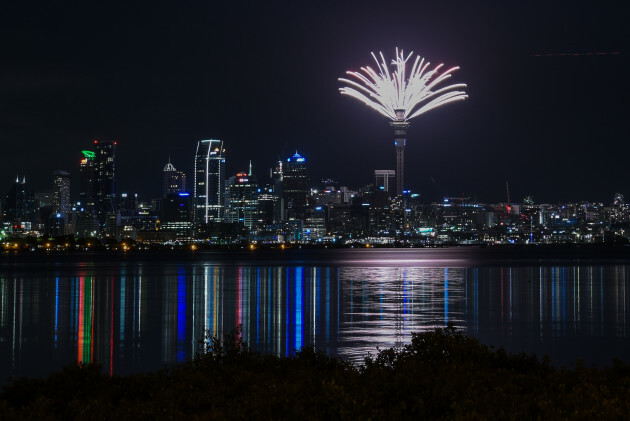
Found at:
(139, 313)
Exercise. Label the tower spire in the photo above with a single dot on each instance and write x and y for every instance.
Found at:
(250, 167)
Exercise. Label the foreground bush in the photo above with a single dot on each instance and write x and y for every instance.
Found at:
(439, 375)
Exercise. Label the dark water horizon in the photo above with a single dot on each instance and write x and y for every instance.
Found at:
(140, 312)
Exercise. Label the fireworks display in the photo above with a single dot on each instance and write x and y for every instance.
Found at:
(388, 92)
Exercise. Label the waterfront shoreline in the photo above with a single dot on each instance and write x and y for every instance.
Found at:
(440, 374)
(479, 254)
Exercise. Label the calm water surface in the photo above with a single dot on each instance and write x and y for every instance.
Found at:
(139, 313)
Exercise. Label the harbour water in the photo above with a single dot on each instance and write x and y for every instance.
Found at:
(135, 313)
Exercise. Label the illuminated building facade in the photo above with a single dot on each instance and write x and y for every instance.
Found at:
(105, 177)
(174, 181)
(87, 181)
(295, 189)
(61, 194)
(61, 200)
(315, 224)
(267, 206)
(209, 190)
(276, 190)
(242, 200)
(84, 219)
(176, 215)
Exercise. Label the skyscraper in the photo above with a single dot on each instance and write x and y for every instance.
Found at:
(174, 181)
(295, 186)
(105, 172)
(19, 205)
(15, 203)
(87, 182)
(278, 204)
(84, 221)
(61, 195)
(209, 191)
(242, 200)
(176, 215)
(268, 209)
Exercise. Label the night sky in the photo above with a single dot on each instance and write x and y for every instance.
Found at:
(262, 76)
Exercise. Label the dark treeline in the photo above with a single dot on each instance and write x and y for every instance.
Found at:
(439, 375)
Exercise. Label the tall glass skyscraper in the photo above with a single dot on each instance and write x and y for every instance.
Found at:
(61, 194)
(87, 193)
(209, 192)
(295, 186)
(105, 177)
(242, 200)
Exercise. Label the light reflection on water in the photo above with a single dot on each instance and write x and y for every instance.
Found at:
(385, 305)
(138, 316)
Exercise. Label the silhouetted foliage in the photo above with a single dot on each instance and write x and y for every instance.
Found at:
(441, 374)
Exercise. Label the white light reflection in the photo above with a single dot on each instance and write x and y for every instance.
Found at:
(386, 304)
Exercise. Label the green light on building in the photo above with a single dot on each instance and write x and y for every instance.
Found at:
(89, 154)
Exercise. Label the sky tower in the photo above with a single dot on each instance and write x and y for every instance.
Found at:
(399, 98)
(400, 127)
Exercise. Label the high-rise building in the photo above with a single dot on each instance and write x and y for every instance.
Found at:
(209, 191)
(105, 177)
(87, 182)
(174, 181)
(19, 205)
(61, 195)
(295, 186)
(15, 207)
(242, 200)
(176, 216)
(385, 180)
(84, 221)
(267, 206)
(276, 175)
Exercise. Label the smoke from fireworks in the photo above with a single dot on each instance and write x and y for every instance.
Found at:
(387, 91)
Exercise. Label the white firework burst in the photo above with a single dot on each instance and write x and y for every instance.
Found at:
(388, 92)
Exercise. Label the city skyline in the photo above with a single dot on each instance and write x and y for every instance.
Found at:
(546, 112)
(266, 177)
(292, 209)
